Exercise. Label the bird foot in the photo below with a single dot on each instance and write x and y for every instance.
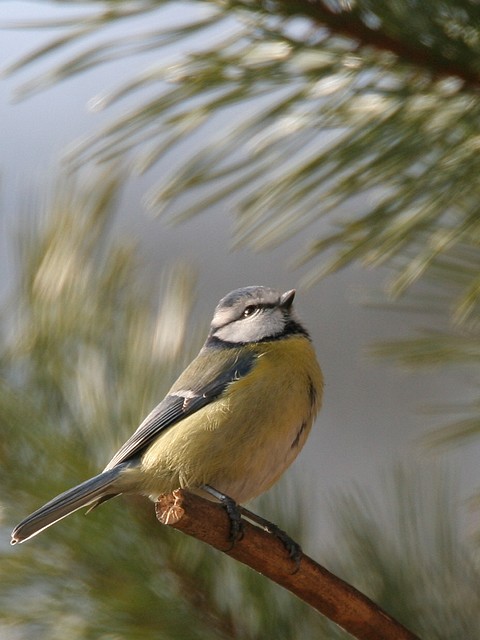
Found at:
(234, 512)
(293, 548)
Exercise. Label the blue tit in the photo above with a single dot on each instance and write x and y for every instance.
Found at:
(235, 419)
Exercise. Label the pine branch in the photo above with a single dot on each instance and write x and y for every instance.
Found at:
(350, 23)
(334, 598)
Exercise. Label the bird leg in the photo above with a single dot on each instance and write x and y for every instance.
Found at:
(235, 512)
(293, 548)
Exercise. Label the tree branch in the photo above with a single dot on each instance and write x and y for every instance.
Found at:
(349, 23)
(207, 521)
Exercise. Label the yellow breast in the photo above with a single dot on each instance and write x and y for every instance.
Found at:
(244, 440)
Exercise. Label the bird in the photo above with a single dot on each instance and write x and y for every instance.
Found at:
(232, 423)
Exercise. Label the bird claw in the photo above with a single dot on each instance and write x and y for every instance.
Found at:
(234, 512)
(235, 515)
(293, 548)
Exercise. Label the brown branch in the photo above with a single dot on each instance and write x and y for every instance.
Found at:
(350, 24)
(207, 521)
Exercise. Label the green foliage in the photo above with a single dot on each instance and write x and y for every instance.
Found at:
(449, 337)
(307, 120)
(406, 552)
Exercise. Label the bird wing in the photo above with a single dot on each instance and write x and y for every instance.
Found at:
(210, 375)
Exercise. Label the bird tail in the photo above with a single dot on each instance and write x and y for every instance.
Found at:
(93, 490)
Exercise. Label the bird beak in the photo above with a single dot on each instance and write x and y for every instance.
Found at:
(286, 299)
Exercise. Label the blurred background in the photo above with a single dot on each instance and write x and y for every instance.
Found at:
(156, 155)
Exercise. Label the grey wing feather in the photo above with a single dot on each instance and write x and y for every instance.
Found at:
(168, 412)
(177, 405)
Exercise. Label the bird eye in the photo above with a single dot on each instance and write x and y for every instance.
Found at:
(250, 310)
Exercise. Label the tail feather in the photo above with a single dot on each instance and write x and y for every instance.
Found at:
(92, 490)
